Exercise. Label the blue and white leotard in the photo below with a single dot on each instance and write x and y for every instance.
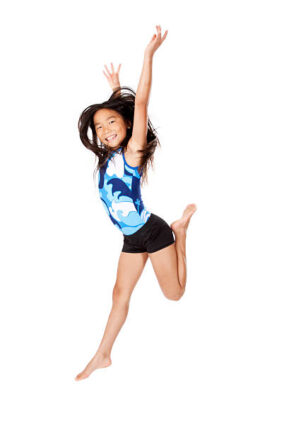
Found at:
(119, 190)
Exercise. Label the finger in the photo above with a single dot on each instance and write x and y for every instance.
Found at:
(119, 68)
(165, 35)
(159, 32)
(105, 73)
(107, 69)
(112, 68)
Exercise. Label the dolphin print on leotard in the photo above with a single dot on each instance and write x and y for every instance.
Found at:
(120, 192)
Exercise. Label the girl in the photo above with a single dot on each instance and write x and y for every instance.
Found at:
(124, 141)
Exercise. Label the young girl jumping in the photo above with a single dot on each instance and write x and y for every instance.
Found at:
(123, 139)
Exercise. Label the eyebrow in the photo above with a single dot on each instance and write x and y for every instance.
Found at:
(107, 119)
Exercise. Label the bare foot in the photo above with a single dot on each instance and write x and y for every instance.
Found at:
(182, 223)
(99, 360)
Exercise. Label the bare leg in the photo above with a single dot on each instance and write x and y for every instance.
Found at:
(169, 263)
(130, 267)
(179, 227)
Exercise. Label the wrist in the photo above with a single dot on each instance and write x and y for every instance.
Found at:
(148, 55)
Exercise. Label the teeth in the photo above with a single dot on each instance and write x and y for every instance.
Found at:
(111, 138)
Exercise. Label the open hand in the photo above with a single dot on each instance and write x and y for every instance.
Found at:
(156, 41)
(112, 77)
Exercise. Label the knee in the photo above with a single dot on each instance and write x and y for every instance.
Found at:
(177, 295)
(119, 295)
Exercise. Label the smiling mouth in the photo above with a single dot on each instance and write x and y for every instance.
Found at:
(111, 138)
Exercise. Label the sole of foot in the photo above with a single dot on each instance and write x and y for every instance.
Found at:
(98, 361)
(182, 223)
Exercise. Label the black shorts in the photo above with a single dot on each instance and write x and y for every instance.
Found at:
(154, 235)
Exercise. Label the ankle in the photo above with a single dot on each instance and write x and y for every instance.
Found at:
(103, 352)
(181, 232)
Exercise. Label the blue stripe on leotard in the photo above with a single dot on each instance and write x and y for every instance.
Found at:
(119, 190)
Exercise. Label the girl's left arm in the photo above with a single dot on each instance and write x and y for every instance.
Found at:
(144, 86)
(140, 121)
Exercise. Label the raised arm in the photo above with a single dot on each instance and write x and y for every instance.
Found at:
(145, 82)
(140, 121)
(144, 86)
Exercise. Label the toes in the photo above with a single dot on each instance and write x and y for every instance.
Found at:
(80, 376)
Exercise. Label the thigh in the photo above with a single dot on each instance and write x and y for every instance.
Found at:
(165, 265)
(129, 270)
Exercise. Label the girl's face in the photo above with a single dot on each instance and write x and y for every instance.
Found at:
(110, 127)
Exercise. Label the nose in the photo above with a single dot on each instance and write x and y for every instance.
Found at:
(107, 129)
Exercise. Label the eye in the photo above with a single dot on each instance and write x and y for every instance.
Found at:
(112, 121)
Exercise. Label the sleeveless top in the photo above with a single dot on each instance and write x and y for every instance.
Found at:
(119, 190)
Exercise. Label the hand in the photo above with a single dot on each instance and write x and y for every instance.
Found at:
(113, 77)
(156, 41)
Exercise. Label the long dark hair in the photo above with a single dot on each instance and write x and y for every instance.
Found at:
(122, 100)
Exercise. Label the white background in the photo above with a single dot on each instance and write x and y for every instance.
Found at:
(212, 361)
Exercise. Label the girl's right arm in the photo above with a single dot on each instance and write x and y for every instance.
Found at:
(113, 77)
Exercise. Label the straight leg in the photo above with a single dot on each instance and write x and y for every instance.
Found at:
(130, 267)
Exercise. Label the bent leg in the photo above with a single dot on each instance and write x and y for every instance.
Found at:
(167, 267)
(169, 263)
